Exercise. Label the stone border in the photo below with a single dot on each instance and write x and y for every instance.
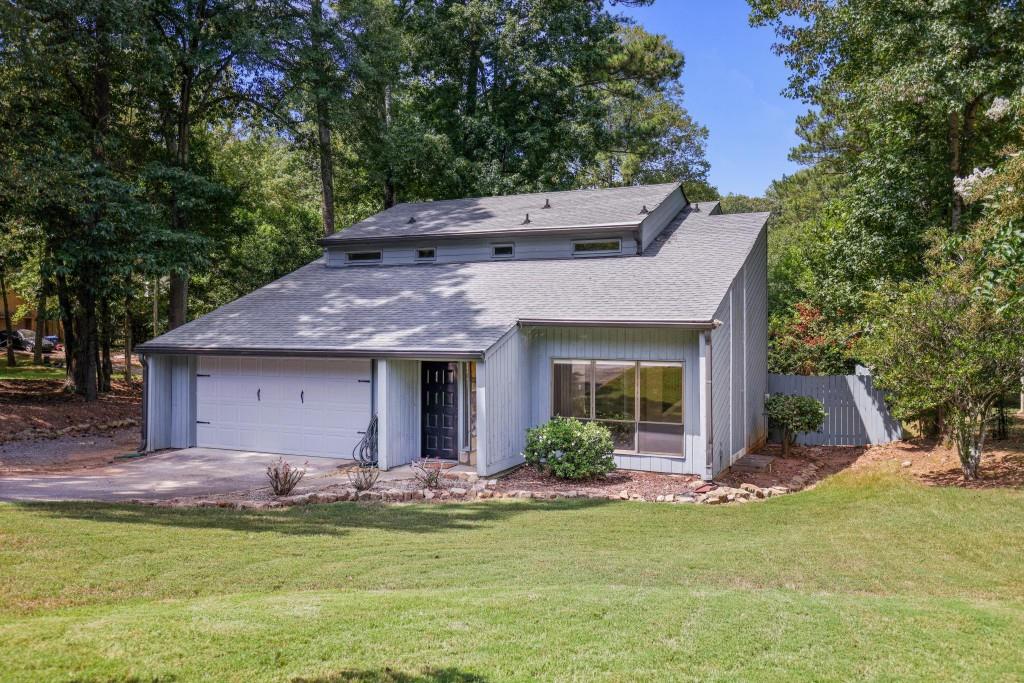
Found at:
(477, 490)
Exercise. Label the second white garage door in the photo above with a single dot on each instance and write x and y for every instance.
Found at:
(296, 406)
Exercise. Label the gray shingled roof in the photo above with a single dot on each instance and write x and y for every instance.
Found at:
(463, 308)
(617, 206)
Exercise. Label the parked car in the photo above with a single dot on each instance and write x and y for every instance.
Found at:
(18, 341)
(30, 341)
(55, 340)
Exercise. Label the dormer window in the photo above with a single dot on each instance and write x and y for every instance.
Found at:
(503, 251)
(426, 254)
(363, 257)
(596, 247)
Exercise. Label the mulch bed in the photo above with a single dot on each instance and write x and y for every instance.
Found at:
(46, 404)
(647, 485)
(937, 464)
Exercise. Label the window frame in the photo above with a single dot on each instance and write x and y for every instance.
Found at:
(636, 421)
(502, 245)
(426, 259)
(599, 252)
(364, 262)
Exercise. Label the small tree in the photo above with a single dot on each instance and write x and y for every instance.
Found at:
(794, 415)
(945, 346)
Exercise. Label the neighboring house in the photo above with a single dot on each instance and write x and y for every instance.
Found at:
(28, 320)
(462, 323)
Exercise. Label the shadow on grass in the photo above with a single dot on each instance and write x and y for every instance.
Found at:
(335, 519)
(446, 675)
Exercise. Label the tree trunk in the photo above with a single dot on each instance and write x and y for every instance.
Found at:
(323, 121)
(37, 349)
(67, 322)
(178, 306)
(177, 314)
(128, 335)
(326, 166)
(156, 306)
(106, 365)
(11, 360)
(969, 438)
(86, 352)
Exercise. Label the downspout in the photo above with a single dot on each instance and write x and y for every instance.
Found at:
(145, 401)
(709, 425)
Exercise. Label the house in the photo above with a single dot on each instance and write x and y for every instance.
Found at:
(459, 324)
(16, 304)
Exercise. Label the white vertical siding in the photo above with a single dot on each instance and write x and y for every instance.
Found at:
(740, 362)
(398, 411)
(756, 348)
(722, 385)
(170, 401)
(617, 343)
(506, 404)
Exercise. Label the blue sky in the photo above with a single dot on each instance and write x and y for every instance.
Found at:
(732, 81)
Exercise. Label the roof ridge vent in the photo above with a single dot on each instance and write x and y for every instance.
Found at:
(412, 219)
(547, 203)
(527, 221)
(644, 210)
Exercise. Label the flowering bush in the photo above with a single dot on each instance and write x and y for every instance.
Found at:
(570, 449)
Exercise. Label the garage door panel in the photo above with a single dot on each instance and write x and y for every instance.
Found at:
(338, 395)
(305, 406)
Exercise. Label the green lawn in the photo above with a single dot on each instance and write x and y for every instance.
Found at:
(27, 371)
(867, 577)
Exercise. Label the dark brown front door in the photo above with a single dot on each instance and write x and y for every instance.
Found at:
(440, 411)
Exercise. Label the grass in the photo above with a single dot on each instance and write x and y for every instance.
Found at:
(867, 577)
(29, 372)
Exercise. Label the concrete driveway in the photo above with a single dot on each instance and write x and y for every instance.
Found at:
(188, 472)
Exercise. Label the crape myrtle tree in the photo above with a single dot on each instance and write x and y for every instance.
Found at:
(954, 343)
(942, 346)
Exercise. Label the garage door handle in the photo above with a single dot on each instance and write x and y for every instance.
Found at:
(360, 432)
(302, 396)
(202, 422)
(258, 394)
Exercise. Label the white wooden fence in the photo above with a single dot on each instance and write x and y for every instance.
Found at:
(857, 414)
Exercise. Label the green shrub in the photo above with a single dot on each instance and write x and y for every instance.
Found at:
(570, 449)
(793, 415)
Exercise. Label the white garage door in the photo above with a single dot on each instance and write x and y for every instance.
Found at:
(298, 406)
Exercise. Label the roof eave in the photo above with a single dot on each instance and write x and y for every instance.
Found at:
(457, 354)
(568, 322)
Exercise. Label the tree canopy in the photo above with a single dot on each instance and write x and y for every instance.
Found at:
(166, 156)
